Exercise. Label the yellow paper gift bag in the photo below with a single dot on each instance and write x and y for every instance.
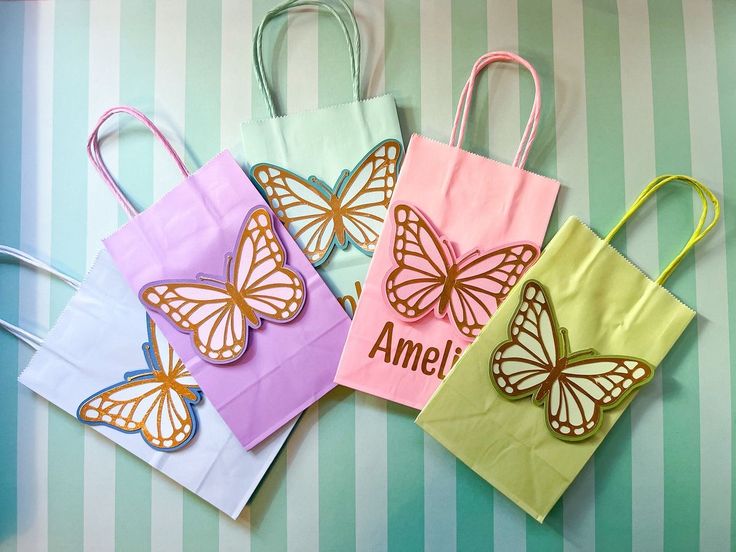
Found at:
(532, 398)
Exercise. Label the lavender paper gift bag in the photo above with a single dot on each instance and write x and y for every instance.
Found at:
(232, 292)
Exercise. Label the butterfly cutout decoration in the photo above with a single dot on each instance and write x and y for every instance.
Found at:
(321, 218)
(218, 311)
(158, 402)
(429, 276)
(575, 388)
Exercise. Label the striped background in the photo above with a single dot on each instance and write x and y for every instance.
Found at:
(631, 89)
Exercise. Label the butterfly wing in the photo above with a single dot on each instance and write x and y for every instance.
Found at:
(587, 387)
(303, 206)
(147, 401)
(483, 281)
(208, 312)
(365, 192)
(145, 404)
(521, 364)
(268, 286)
(415, 286)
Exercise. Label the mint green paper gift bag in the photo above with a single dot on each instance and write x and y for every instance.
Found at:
(531, 399)
(328, 174)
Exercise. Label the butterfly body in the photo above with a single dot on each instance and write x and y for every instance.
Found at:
(236, 295)
(546, 386)
(248, 313)
(447, 287)
(429, 277)
(322, 218)
(218, 312)
(169, 381)
(574, 388)
(335, 203)
(158, 402)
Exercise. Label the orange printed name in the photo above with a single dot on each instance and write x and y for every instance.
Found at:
(430, 361)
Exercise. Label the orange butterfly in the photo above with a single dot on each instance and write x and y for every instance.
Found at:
(429, 276)
(219, 311)
(158, 402)
(575, 387)
(320, 217)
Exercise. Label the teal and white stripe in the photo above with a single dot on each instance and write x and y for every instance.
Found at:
(631, 88)
(647, 455)
(302, 449)
(371, 466)
(724, 14)
(35, 237)
(104, 70)
(572, 169)
(169, 60)
(711, 280)
(440, 501)
(505, 112)
(69, 182)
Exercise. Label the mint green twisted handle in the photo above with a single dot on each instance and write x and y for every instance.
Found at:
(353, 43)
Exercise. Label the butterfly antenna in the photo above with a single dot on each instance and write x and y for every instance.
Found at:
(209, 279)
(344, 175)
(449, 249)
(149, 355)
(143, 374)
(565, 342)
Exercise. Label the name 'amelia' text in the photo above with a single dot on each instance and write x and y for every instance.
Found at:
(431, 361)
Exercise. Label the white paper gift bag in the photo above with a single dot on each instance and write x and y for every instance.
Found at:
(106, 363)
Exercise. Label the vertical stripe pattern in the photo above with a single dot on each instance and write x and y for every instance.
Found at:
(371, 431)
(100, 454)
(135, 159)
(536, 43)
(69, 184)
(711, 283)
(168, 109)
(647, 456)
(675, 220)
(440, 513)
(724, 15)
(11, 72)
(405, 442)
(32, 440)
(607, 198)
(202, 139)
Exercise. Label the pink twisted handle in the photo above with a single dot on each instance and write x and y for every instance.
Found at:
(463, 106)
(95, 157)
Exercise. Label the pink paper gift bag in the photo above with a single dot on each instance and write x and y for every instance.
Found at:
(461, 230)
(233, 293)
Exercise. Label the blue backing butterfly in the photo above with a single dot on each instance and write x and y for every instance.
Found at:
(321, 218)
(158, 402)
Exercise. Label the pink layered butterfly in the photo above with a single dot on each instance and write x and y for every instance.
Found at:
(429, 276)
(218, 312)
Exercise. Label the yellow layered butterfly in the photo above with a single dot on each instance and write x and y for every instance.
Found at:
(321, 218)
(575, 388)
(158, 402)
